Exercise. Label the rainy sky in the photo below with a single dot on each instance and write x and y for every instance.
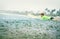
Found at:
(34, 5)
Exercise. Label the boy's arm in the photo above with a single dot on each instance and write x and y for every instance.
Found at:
(52, 18)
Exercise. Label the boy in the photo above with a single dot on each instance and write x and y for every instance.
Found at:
(44, 17)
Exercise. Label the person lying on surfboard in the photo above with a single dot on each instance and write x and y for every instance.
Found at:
(44, 17)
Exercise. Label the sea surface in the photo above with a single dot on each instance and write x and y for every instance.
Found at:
(24, 27)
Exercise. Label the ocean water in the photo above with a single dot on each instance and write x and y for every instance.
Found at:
(24, 27)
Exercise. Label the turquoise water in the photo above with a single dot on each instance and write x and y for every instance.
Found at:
(22, 27)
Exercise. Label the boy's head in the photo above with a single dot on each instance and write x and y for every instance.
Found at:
(42, 14)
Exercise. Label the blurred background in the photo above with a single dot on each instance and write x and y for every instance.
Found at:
(16, 21)
(52, 7)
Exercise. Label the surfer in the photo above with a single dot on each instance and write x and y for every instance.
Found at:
(44, 17)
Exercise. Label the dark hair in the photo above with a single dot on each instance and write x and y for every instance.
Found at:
(42, 14)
